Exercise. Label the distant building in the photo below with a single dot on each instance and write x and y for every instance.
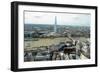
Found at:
(55, 25)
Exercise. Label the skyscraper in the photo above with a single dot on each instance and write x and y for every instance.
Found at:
(55, 25)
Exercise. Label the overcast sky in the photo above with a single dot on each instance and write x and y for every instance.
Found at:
(62, 18)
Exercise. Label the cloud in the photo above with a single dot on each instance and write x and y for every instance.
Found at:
(62, 18)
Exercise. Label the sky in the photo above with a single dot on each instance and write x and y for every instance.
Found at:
(62, 18)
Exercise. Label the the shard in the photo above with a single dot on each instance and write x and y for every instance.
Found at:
(55, 25)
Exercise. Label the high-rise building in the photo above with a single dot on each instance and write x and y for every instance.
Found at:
(55, 25)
